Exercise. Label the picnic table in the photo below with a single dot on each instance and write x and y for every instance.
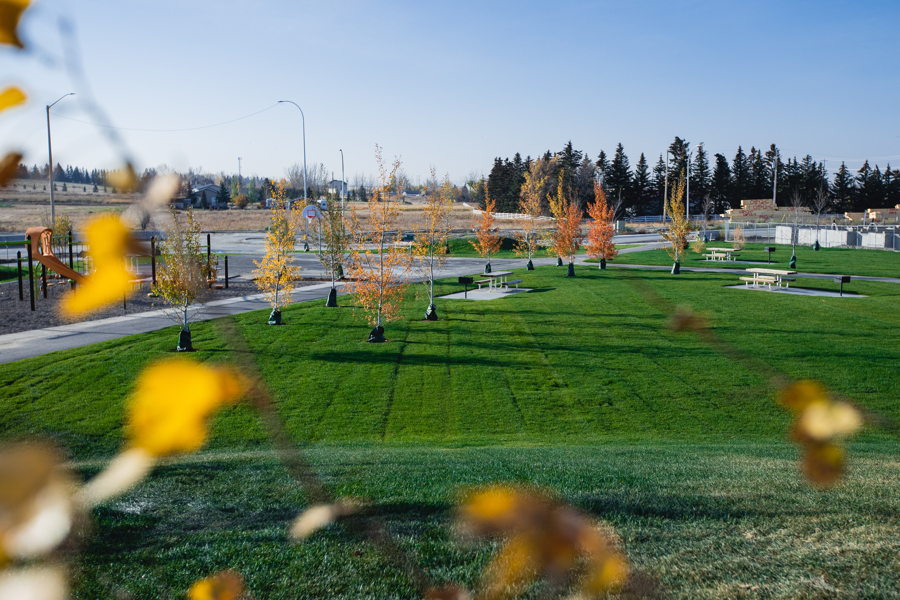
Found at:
(768, 277)
(497, 280)
(720, 253)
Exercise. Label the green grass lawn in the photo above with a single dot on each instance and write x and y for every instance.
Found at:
(840, 261)
(578, 386)
(704, 521)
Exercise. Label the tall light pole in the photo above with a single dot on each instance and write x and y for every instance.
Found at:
(687, 202)
(342, 185)
(302, 116)
(50, 153)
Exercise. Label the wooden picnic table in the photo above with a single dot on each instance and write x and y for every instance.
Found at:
(720, 253)
(769, 276)
(496, 279)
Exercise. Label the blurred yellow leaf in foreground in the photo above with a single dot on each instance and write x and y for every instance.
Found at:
(173, 402)
(545, 538)
(225, 585)
(8, 167)
(10, 13)
(109, 241)
(11, 96)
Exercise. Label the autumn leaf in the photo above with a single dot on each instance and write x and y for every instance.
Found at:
(10, 97)
(172, 404)
(10, 13)
(823, 464)
(798, 396)
(109, 241)
(8, 167)
(225, 585)
(123, 179)
(36, 507)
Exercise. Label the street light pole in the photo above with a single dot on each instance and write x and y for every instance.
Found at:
(50, 153)
(342, 184)
(302, 116)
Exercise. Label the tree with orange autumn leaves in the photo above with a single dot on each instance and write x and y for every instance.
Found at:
(431, 238)
(530, 205)
(379, 268)
(564, 239)
(600, 233)
(487, 240)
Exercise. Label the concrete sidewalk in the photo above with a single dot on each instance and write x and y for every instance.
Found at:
(28, 344)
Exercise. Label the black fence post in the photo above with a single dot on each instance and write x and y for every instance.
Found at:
(226, 271)
(71, 257)
(44, 279)
(208, 253)
(153, 259)
(30, 273)
(19, 269)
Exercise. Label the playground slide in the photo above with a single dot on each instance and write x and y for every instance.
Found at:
(42, 235)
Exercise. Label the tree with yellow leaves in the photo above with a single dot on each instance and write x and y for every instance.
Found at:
(183, 278)
(600, 233)
(532, 194)
(276, 271)
(487, 240)
(679, 229)
(564, 239)
(378, 267)
(430, 239)
(337, 234)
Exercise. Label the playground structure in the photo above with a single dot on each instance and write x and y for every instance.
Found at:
(45, 252)
(41, 239)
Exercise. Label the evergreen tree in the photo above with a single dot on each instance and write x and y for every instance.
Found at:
(618, 180)
(643, 199)
(759, 175)
(659, 187)
(740, 179)
(700, 179)
(861, 199)
(251, 191)
(602, 167)
(222, 196)
(678, 165)
(720, 186)
(892, 186)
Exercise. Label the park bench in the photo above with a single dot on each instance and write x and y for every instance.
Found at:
(768, 277)
(515, 282)
(487, 282)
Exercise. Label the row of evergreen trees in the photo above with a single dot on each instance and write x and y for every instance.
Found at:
(639, 191)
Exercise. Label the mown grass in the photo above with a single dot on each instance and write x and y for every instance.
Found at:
(577, 386)
(702, 521)
(578, 359)
(840, 261)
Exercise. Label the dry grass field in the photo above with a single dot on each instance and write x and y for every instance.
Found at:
(24, 207)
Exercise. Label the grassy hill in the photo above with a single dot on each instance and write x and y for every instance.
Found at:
(577, 386)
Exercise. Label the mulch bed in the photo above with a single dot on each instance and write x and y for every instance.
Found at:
(16, 315)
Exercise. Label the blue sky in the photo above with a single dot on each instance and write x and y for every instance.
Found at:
(455, 84)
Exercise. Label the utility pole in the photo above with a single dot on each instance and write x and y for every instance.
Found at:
(239, 170)
(50, 153)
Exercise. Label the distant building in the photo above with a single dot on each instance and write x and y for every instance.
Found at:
(211, 190)
(334, 186)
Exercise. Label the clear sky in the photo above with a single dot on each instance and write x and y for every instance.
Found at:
(454, 84)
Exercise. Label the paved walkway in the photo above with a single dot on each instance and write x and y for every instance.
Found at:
(28, 344)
